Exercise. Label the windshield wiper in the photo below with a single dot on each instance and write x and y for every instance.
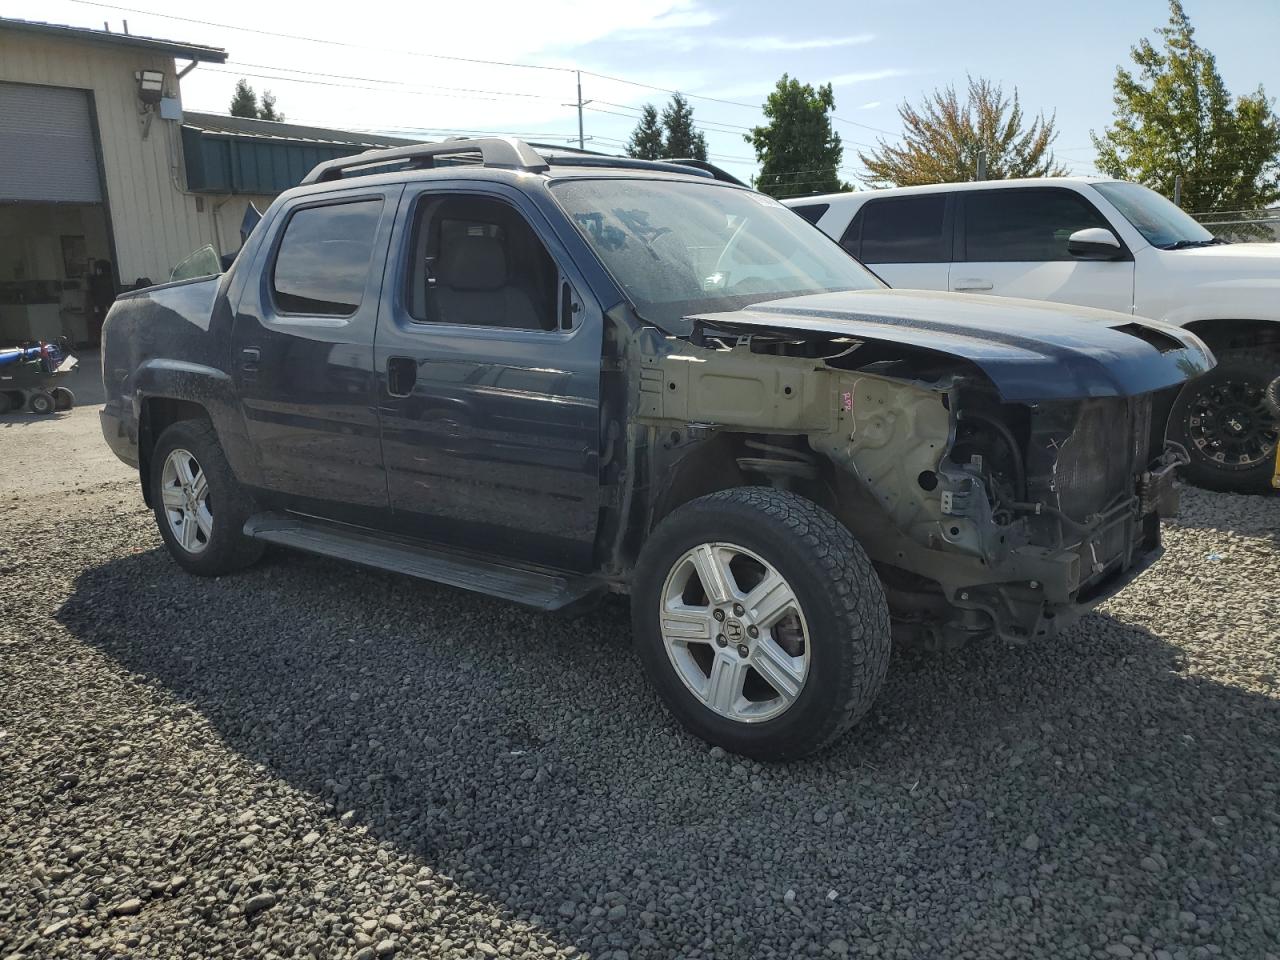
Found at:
(1186, 244)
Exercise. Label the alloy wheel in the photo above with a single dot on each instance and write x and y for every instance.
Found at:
(184, 492)
(734, 631)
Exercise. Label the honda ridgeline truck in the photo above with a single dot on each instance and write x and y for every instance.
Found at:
(546, 377)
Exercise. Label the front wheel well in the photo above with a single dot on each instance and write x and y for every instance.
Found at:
(1237, 334)
(157, 415)
(695, 468)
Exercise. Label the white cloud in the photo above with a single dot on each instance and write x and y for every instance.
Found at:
(781, 43)
(849, 79)
(870, 105)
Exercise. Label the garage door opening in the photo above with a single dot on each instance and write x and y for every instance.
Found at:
(55, 239)
(53, 258)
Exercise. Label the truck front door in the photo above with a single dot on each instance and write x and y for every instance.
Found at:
(1013, 243)
(489, 380)
(302, 356)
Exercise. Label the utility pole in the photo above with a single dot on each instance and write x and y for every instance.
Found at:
(982, 163)
(1177, 190)
(582, 144)
(580, 103)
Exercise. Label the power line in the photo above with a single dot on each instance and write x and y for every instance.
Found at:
(440, 56)
(733, 103)
(335, 43)
(343, 76)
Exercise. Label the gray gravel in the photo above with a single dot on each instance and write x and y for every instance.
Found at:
(313, 760)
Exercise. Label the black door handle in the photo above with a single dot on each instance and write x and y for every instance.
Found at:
(249, 358)
(402, 373)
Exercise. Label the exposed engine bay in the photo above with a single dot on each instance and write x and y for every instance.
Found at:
(983, 517)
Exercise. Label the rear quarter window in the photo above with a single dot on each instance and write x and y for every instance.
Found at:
(813, 212)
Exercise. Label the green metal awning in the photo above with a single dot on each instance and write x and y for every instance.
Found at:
(238, 155)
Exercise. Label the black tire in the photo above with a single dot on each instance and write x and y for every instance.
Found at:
(226, 548)
(63, 398)
(41, 403)
(831, 577)
(6, 402)
(1272, 398)
(1221, 458)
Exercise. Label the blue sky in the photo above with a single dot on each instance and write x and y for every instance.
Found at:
(383, 69)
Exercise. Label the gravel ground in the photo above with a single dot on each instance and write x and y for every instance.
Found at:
(313, 760)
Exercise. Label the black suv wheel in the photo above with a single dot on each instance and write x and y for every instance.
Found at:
(761, 622)
(1223, 420)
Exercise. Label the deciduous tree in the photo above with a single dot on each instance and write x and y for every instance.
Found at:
(945, 136)
(798, 151)
(1175, 117)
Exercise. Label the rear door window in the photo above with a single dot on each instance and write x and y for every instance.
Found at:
(900, 230)
(322, 265)
(1027, 225)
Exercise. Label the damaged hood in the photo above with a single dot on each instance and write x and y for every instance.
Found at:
(1031, 350)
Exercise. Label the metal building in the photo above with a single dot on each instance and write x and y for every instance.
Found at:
(102, 173)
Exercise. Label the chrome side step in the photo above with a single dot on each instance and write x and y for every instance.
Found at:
(545, 591)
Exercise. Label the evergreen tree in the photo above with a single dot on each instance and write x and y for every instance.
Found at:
(798, 151)
(244, 103)
(646, 140)
(268, 111)
(683, 140)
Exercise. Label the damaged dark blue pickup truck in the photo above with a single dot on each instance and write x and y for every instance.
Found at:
(549, 376)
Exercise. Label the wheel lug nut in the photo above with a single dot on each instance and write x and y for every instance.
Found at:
(721, 641)
(742, 650)
(719, 614)
(753, 631)
(738, 610)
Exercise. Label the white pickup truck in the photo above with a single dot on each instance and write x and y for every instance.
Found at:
(1098, 243)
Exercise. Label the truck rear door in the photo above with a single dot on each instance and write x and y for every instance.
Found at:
(905, 240)
(302, 355)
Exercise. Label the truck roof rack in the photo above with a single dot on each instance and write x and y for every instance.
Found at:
(710, 169)
(501, 152)
(581, 158)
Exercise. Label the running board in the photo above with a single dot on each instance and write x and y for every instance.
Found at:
(545, 591)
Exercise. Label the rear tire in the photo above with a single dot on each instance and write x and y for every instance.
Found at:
(200, 508)
(796, 611)
(6, 403)
(41, 403)
(1223, 420)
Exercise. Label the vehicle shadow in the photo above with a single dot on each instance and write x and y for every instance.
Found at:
(466, 705)
(24, 419)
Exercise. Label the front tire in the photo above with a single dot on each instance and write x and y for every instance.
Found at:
(1223, 420)
(41, 403)
(199, 506)
(760, 621)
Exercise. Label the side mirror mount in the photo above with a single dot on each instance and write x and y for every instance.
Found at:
(1094, 243)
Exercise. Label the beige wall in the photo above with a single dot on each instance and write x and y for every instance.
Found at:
(156, 223)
